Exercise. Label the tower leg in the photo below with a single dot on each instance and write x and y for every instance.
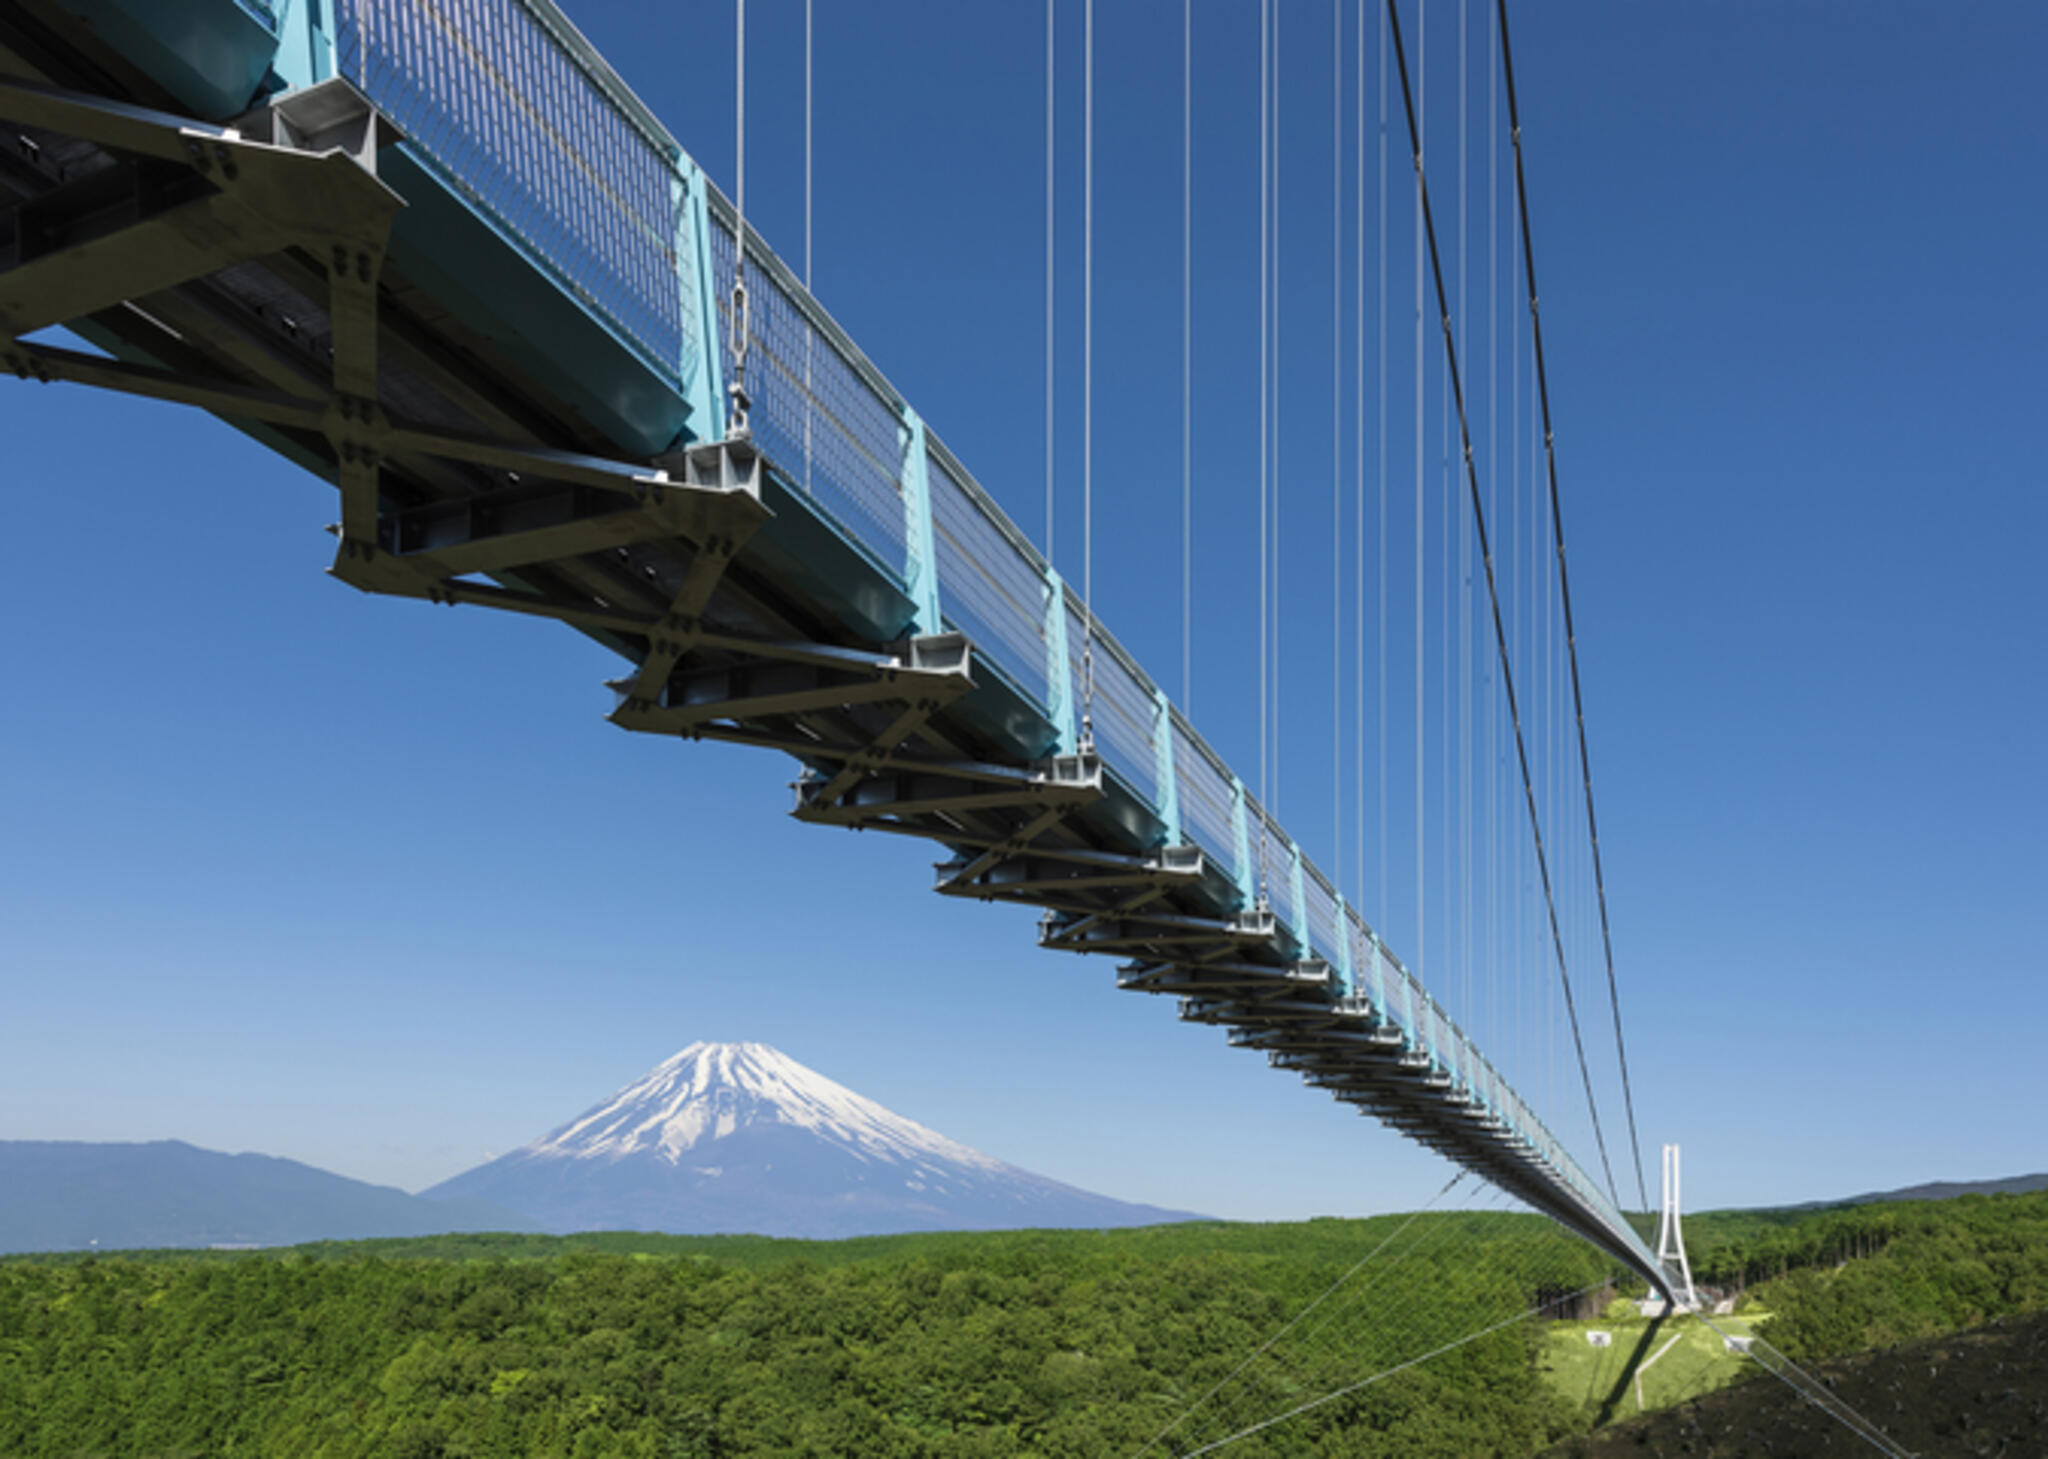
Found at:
(1670, 1234)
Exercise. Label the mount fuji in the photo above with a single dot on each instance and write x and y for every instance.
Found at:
(742, 1138)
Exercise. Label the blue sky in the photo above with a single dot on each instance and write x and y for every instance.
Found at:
(373, 886)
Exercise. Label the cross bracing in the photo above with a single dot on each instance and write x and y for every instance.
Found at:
(499, 334)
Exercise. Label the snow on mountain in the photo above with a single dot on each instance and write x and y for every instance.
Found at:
(742, 1138)
(708, 1091)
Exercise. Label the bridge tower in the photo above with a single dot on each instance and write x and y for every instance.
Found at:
(1670, 1239)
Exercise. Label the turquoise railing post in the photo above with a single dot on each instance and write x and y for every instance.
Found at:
(1299, 894)
(1347, 965)
(1162, 763)
(305, 50)
(1059, 667)
(1240, 826)
(920, 554)
(701, 369)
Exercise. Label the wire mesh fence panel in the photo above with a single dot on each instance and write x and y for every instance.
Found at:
(817, 418)
(988, 587)
(1324, 936)
(1126, 716)
(1404, 996)
(524, 128)
(1205, 798)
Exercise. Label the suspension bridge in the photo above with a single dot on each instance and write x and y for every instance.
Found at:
(437, 253)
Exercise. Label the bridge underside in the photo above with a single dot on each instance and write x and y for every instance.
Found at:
(250, 272)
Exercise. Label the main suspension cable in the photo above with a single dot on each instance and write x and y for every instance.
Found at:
(1486, 556)
(1565, 590)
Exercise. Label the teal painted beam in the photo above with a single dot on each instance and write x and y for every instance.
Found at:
(305, 43)
(1240, 826)
(920, 551)
(1059, 667)
(1299, 898)
(1162, 755)
(1346, 963)
(702, 370)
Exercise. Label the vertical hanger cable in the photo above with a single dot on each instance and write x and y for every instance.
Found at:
(1088, 384)
(742, 325)
(1050, 545)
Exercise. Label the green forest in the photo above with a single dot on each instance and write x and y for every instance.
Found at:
(1017, 1343)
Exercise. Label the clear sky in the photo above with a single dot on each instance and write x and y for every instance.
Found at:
(372, 885)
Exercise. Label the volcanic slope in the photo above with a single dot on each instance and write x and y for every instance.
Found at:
(742, 1138)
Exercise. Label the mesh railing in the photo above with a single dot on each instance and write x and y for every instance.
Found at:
(814, 412)
(532, 136)
(987, 586)
(1323, 933)
(1126, 716)
(1206, 798)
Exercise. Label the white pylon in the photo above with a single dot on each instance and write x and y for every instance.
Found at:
(1670, 1239)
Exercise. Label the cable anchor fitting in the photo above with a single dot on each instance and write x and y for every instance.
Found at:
(736, 425)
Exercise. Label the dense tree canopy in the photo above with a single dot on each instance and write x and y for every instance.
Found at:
(1025, 1343)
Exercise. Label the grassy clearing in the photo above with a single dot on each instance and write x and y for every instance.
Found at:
(1648, 1364)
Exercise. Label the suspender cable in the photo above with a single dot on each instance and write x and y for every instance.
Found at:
(1265, 402)
(1564, 585)
(1493, 836)
(807, 148)
(1088, 383)
(741, 324)
(1049, 544)
(1464, 617)
(810, 335)
(1272, 277)
(1422, 967)
(1381, 37)
(1486, 556)
(1358, 418)
(1187, 338)
(1337, 433)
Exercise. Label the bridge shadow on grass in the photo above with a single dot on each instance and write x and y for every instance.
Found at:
(1614, 1397)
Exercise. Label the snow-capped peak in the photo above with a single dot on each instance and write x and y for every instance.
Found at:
(709, 1090)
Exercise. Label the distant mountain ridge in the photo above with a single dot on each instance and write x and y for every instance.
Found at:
(1939, 1190)
(726, 1137)
(71, 1195)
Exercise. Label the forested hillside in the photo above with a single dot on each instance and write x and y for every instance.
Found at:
(1055, 1343)
(1045, 1343)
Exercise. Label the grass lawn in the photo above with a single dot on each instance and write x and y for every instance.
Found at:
(1648, 1363)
